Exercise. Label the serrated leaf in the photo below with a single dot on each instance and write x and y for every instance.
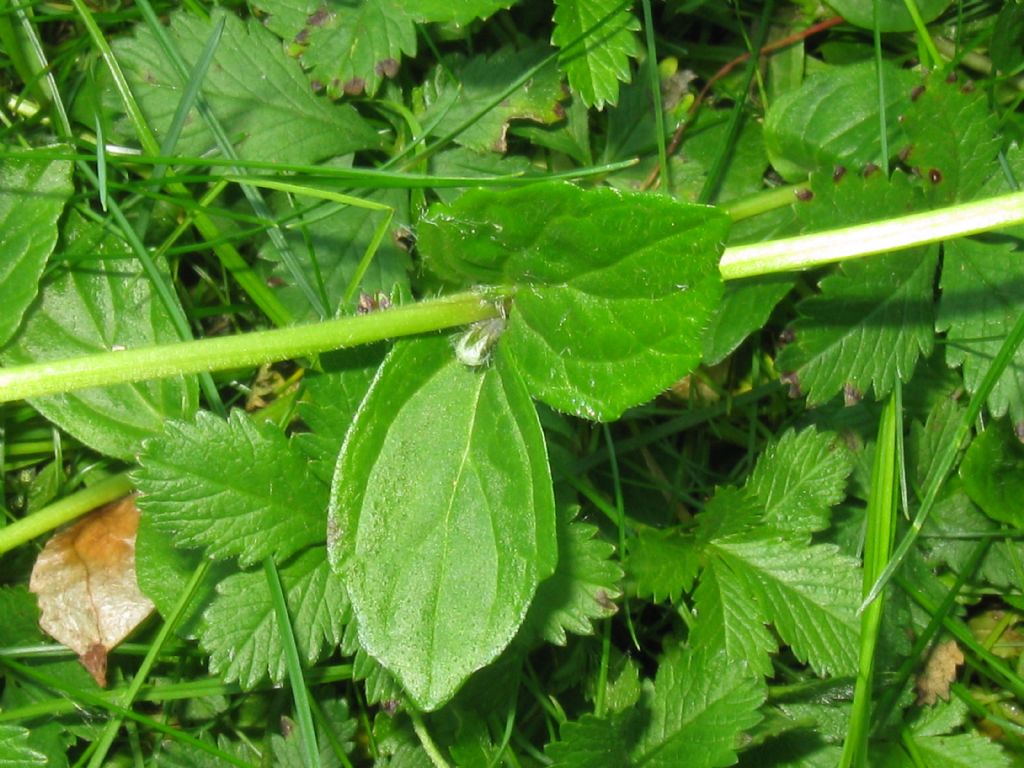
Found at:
(235, 487)
(598, 37)
(810, 593)
(348, 47)
(701, 704)
(992, 474)
(336, 726)
(982, 297)
(32, 198)
(662, 563)
(592, 741)
(460, 13)
(240, 630)
(583, 588)
(729, 620)
(442, 516)
(867, 329)
(832, 119)
(798, 478)
(21, 617)
(94, 300)
(893, 15)
(259, 95)
(612, 290)
(15, 750)
(965, 750)
(953, 142)
(451, 105)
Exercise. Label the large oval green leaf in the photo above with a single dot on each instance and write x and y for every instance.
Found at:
(612, 291)
(442, 516)
(892, 14)
(96, 299)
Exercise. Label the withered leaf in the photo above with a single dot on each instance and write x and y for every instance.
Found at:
(85, 582)
(939, 671)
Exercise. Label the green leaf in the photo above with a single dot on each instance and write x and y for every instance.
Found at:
(596, 65)
(1007, 45)
(583, 587)
(459, 13)
(442, 516)
(31, 200)
(982, 297)
(867, 329)
(331, 249)
(240, 630)
(798, 478)
(15, 750)
(730, 621)
(745, 308)
(348, 48)
(95, 299)
(892, 14)
(663, 563)
(993, 474)
(612, 290)
(21, 617)
(337, 726)
(810, 593)
(832, 119)
(953, 141)
(234, 487)
(592, 741)
(701, 704)
(258, 94)
(477, 82)
(965, 750)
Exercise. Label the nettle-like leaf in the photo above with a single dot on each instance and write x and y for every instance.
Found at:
(598, 37)
(952, 135)
(867, 329)
(234, 487)
(15, 750)
(583, 588)
(810, 593)
(982, 297)
(832, 119)
(260, 96)
(694, 715)
(451, 105)
(731, 621)
(95, 299)
(349, 48)
(32, 198)
(612, 291)
(240, 629)
(663, 563)
(993, 476)
(798, 478)
(442, 516)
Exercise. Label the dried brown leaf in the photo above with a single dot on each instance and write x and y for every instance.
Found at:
(84, 579)
(939, 671)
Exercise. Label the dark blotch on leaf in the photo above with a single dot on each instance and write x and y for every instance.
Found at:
(303, 37)
(788, 336)
(935, 176)
(319, 17)
(916, 92)
(316, 85)
(388, 67)
(792, 380)
(354, 87)
(838, 172)
(1018, 430)
(904, 154)
(559, 111)
(606, 603)
(851, 395)
(951, 77)
(967, 87)
(804, 195)
(404, 238)
(869, 169)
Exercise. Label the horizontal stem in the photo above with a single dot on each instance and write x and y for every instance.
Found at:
(241, 351)
(820, 248)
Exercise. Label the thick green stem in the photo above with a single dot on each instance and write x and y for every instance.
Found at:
(243, 351)
(814, 250)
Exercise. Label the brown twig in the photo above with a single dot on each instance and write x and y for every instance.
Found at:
(652, 180)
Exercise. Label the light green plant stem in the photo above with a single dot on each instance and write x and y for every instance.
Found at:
(63, 511)
(808, 251)
(882, 514)
(426, 741)
(242, 351)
